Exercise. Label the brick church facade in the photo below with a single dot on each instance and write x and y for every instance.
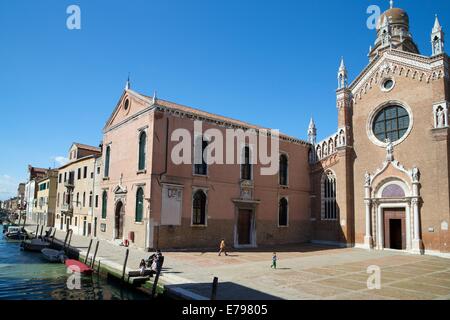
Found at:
(391, 177)
(380, 181)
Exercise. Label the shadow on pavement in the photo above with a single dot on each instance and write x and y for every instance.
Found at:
(225, 291)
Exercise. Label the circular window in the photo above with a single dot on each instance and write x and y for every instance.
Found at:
(127, 104)
(391, 122)
(388, 84)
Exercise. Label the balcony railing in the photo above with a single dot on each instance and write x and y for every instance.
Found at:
(67, 208)
(69, 183)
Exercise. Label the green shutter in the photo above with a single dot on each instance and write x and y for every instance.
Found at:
(108, 154)
(104, 204)
(142, 147)
(139, 205)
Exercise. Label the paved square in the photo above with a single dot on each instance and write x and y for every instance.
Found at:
(304, 272)
(311, 272)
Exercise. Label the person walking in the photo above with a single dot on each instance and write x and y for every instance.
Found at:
(274, 261)
(223, 248)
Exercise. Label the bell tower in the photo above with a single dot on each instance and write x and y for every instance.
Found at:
(344, 101)
(437, 38)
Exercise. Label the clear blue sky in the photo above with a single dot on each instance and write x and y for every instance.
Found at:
(271, 63)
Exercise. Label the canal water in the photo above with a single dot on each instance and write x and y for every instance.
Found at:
(28, 276)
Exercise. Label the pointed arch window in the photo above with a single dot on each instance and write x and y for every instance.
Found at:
(329, 204)
(139, 205)
(283, 213)
(199, 208)
(107, 160)
(104, 204)
(142, 151)
(284, 170)
(246, 166)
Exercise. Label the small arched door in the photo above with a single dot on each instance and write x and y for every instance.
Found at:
(118, 221)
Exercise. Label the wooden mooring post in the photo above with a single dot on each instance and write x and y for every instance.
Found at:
(37, 230)
(95, 255)
(89, 250)
(53, 236)
(125, 264)
(214, 288)
(24, 220)
(40, 233)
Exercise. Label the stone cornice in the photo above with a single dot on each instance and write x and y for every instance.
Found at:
(399, 63)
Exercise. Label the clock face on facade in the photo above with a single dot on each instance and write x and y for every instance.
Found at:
(391, 122)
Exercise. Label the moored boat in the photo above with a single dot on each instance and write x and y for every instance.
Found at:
(53, 255)
(35, 245)
(16, 233)
(78, 267)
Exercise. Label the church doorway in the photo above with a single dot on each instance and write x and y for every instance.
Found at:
(118, 221)
(395, 228)
(244, 226)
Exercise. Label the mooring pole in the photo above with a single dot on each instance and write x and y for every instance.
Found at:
(95, 255)
(53, 236)
(37, 230)
(20, 219)
(214, 288)
(40, 233)
(89, 250)
(125, 264)
(65, 240)
(24, 220)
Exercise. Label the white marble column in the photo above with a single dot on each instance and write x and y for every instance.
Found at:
(368, 236)
(368, 243)
(380, 228)
(417, 245)
(417, 241)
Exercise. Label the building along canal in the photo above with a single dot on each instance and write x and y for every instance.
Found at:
(28, 276)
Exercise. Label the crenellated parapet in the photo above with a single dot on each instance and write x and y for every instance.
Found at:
(329, 146)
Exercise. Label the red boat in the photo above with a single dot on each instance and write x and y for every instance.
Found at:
(78, 267)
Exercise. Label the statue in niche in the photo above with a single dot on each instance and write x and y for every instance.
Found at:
(342, 138)
(367, 179)
(415, 174)
(441, 118)
(389, 150)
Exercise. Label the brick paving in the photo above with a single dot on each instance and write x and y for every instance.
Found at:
(304, 272)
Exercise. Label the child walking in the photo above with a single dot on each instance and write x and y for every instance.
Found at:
(274, 261)
(222, 248)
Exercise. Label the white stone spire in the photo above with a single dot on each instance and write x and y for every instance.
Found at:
(342, 75)
(437, 25)
(312, 132)
(128, 84)
(437, 38)
(391, 3)
(154, 96)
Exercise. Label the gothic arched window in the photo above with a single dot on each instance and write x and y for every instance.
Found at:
(246, 166)
(139, 205)
(107, 160)
(199, 208)
(283, 213)
(284, 169)
(142, 151)
(329, 205)
(104, 204)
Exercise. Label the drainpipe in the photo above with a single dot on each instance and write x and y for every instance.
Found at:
(167, 150)
(166, 159)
